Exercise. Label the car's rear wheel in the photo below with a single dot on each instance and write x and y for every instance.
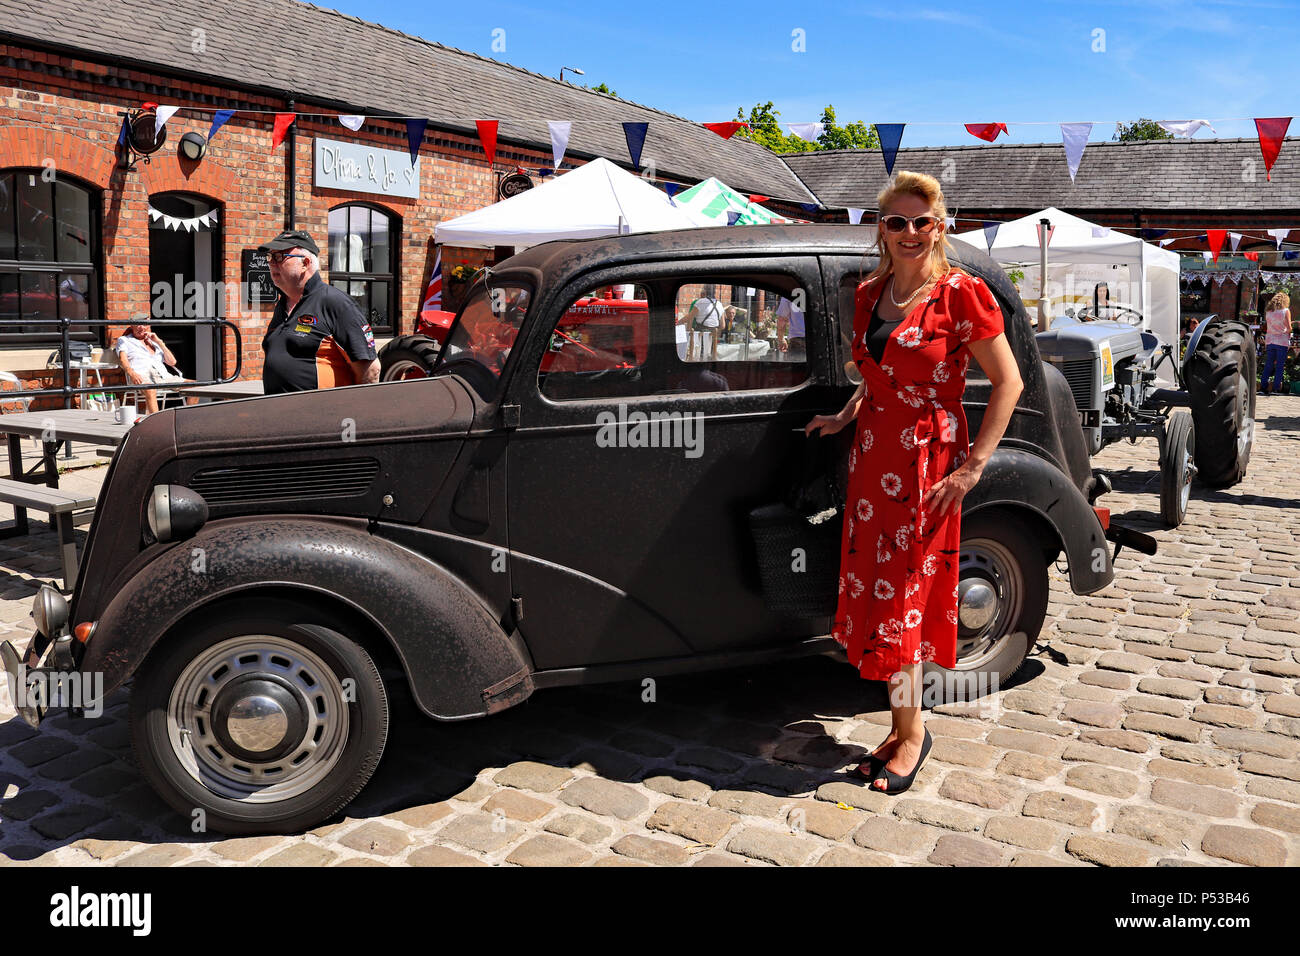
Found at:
(267, 719)
(1002, 592)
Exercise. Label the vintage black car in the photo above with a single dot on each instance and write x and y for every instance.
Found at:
(516, 521)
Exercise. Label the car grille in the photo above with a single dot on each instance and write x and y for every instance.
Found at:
(1079, 374)
(269, 482)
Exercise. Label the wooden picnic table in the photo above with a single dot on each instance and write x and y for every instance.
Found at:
(53, 427)
(244, 389)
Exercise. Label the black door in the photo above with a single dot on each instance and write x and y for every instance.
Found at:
(634, 466)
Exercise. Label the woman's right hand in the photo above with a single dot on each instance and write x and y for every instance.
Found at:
(828, 424)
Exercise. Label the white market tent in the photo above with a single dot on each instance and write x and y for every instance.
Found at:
(596, 199)
(1074, 253)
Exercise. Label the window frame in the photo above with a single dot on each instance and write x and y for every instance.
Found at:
(394, 258)
(94, 267)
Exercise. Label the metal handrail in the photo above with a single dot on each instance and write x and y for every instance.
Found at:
(67, 390)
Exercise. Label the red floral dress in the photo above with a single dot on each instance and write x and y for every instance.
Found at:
(898, 563)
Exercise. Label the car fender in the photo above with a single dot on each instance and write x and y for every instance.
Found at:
(459, 661)
(1022, 481)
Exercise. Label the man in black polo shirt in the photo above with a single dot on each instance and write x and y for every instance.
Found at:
(317, 338)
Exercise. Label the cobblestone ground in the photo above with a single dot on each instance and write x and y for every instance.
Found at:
(1157, 722)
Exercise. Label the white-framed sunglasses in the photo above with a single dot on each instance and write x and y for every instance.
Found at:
(924, 225)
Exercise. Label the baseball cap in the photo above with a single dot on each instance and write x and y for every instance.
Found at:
(290, 239)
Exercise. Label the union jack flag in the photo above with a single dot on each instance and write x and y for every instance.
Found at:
(433, 291)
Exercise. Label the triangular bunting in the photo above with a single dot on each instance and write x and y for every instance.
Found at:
(891, 135)
(1271, 133)
(353, 121)
(487, 134)
(1216, 237)
(161, 115)
(986, 131)
(855, 215)
(1252, 256)
(991, 233)
(726, 130)
(415, 136)
(635, 134)
(282, 123)
(1074, 136)
(807, 131)
(560, 131)
(219, 119)
(1235, 239)
(1278, 235)
(1185, 128)
(732, 216)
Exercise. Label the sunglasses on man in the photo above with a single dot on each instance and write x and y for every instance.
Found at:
(924, 225)
(281, 256)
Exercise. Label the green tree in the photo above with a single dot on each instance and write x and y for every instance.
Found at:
(600, 88)
(765, 128)
(1139, 130)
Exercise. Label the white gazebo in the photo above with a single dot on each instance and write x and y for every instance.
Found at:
(596, 199)
(1080, 254)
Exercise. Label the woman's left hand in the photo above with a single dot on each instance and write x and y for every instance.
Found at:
(948, 492)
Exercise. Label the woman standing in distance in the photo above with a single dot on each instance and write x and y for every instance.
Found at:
(917, 321)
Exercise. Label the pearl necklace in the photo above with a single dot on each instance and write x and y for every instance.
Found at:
(899, 305)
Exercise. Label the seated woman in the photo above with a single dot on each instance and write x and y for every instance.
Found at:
(145, 358)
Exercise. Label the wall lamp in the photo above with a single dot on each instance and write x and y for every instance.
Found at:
(192, 146)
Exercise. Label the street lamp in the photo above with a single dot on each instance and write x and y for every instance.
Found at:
(571, 69)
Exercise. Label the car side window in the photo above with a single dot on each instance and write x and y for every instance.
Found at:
(678, 335)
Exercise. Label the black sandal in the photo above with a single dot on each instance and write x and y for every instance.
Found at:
(874, 766)
(894, 783)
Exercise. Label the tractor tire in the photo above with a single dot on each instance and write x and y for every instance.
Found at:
(1220, 379)
(1177, 468)
(407, 356)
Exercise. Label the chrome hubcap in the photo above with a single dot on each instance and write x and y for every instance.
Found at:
(257, 718)
(990, 595)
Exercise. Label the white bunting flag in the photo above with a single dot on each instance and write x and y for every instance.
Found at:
(1100, 232)
(161, 116)
(1207, 255)
(1185, 128)
(807, 131)
(1074, 136)
(1165, 242)
(1278, 235)
(560, 131)
(1235, 239)
(352, 121)
(951, 222)
(1219, 277)
(855, 215)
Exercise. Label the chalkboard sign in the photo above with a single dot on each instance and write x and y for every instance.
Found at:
(256, 272)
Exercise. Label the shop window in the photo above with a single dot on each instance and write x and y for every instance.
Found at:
(362, 260)
(49, 259)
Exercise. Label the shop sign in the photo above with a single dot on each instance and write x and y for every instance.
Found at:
(367, 169)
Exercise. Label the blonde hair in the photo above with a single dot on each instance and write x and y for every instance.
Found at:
(905, 183)
(1279, 301)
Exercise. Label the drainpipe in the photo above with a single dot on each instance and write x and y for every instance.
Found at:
(291, 162)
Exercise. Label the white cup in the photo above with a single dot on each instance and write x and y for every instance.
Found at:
(125, 414)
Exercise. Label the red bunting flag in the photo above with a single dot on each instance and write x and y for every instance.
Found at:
(1271, 132)
(282, 123)
(986, 131)
(757, 198)
(726, 130)
(1216, 238)
(1252, 256)
(487, 134)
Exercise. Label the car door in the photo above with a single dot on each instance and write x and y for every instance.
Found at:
(641, 445)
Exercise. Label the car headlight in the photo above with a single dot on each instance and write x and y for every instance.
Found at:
(50, 611)
(175, 512)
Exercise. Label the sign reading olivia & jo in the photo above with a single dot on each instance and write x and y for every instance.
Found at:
(366, 169)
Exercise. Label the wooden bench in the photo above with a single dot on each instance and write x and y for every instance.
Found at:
(60, 505)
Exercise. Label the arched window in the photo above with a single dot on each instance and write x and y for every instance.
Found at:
(363, 260)
(49, 258)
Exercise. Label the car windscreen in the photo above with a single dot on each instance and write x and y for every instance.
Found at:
(486, 329)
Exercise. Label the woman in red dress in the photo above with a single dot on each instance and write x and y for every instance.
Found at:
(917, 321)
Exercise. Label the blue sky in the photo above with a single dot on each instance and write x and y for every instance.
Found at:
(921, 63)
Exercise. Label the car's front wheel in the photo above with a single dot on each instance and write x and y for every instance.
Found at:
(265, 719)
